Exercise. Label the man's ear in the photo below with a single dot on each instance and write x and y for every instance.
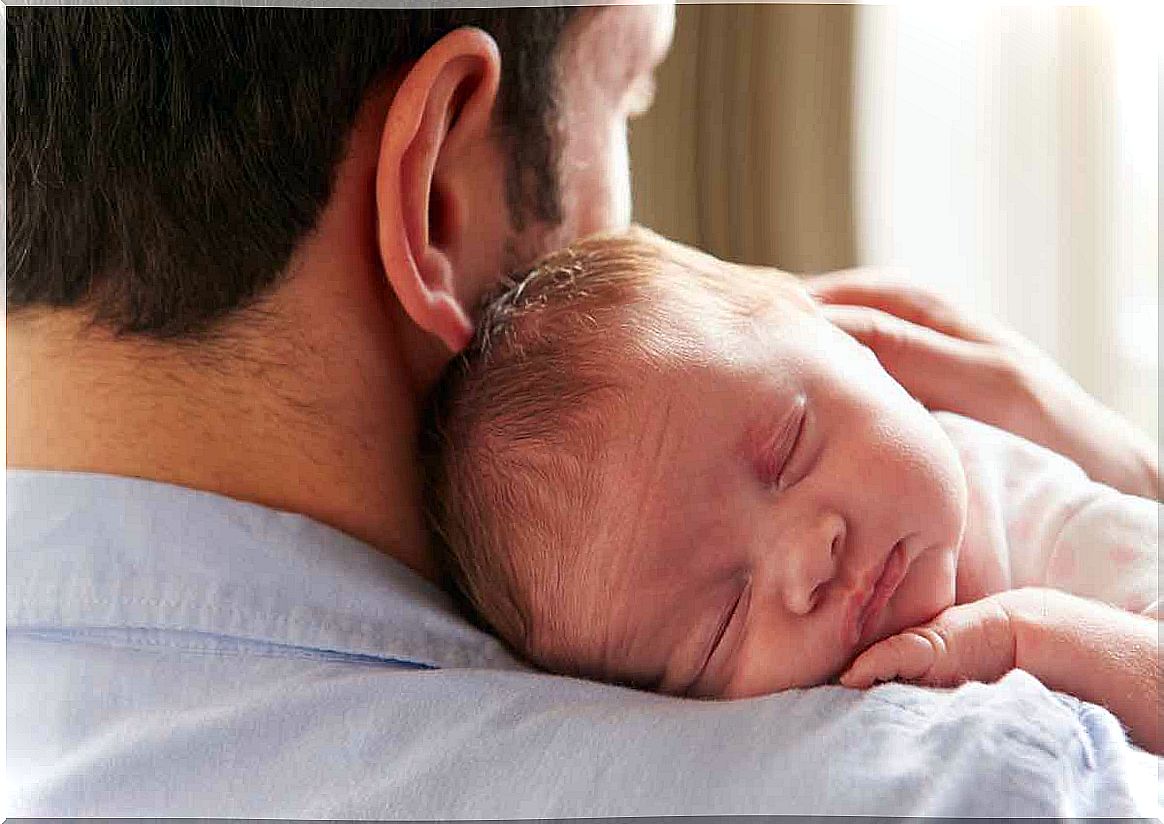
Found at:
(443, 106)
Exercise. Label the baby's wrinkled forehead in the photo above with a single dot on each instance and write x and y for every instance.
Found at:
(708, 283)
(697, 308)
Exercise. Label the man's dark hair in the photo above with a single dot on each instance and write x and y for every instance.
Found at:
(163, 163)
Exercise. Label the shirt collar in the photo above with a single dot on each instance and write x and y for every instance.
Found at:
(88, 550)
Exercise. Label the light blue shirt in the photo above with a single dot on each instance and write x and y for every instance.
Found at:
(177, 653)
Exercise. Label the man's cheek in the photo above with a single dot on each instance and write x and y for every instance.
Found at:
(619, 176)
(601, 197)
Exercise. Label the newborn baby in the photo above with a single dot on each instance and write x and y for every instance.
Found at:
(655, 468)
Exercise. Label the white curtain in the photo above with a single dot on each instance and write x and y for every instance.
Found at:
(1009, 157)
(1006, 156)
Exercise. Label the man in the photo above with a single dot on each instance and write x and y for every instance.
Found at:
(242, 244)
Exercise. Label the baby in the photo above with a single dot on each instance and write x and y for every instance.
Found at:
(658, 469)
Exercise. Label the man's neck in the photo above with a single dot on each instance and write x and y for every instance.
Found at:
(322, 426)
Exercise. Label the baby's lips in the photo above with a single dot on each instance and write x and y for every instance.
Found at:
(896, 568)
(861, 612)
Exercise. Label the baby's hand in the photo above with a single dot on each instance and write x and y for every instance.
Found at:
(967, 642)
(1094, 651)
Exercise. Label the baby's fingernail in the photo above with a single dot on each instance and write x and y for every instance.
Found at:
(851, 680)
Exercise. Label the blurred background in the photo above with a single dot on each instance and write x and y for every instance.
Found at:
(1007, 157)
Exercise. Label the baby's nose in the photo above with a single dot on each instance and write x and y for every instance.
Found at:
(814, 565)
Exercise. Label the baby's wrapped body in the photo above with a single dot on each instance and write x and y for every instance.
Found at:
(655, 468)
(1034, 518)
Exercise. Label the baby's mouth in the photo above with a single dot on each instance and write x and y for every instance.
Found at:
(864, 619)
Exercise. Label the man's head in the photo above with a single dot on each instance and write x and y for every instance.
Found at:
(164, 165)
(251, 238)
(660, 469)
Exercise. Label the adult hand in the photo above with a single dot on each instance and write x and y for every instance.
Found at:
(967, 642)
(950, 360)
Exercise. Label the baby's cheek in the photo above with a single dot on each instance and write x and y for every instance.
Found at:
(927, 590)
(949, 492)
(810, 664)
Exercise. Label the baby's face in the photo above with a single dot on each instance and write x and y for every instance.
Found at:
(779, 506)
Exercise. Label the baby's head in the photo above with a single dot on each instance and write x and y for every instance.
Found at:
(655, 468)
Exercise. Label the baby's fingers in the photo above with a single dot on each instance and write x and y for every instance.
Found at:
(907, 657)
(967, 642)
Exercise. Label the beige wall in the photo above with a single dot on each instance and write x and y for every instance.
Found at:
(747, 150)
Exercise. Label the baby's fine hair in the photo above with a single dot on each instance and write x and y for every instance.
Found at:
(516, 430)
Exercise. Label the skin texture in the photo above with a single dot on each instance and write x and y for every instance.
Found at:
(975, 367)
(732, 504)
(1095, 651)
(599, 97)
(313, 407)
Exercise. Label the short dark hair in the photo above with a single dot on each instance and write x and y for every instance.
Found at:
(163, 163)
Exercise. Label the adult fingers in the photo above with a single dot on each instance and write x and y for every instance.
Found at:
(888, 292)
(974, 379)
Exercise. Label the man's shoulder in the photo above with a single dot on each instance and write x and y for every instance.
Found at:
(90, 551)
(250, 733)
(174, 654)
